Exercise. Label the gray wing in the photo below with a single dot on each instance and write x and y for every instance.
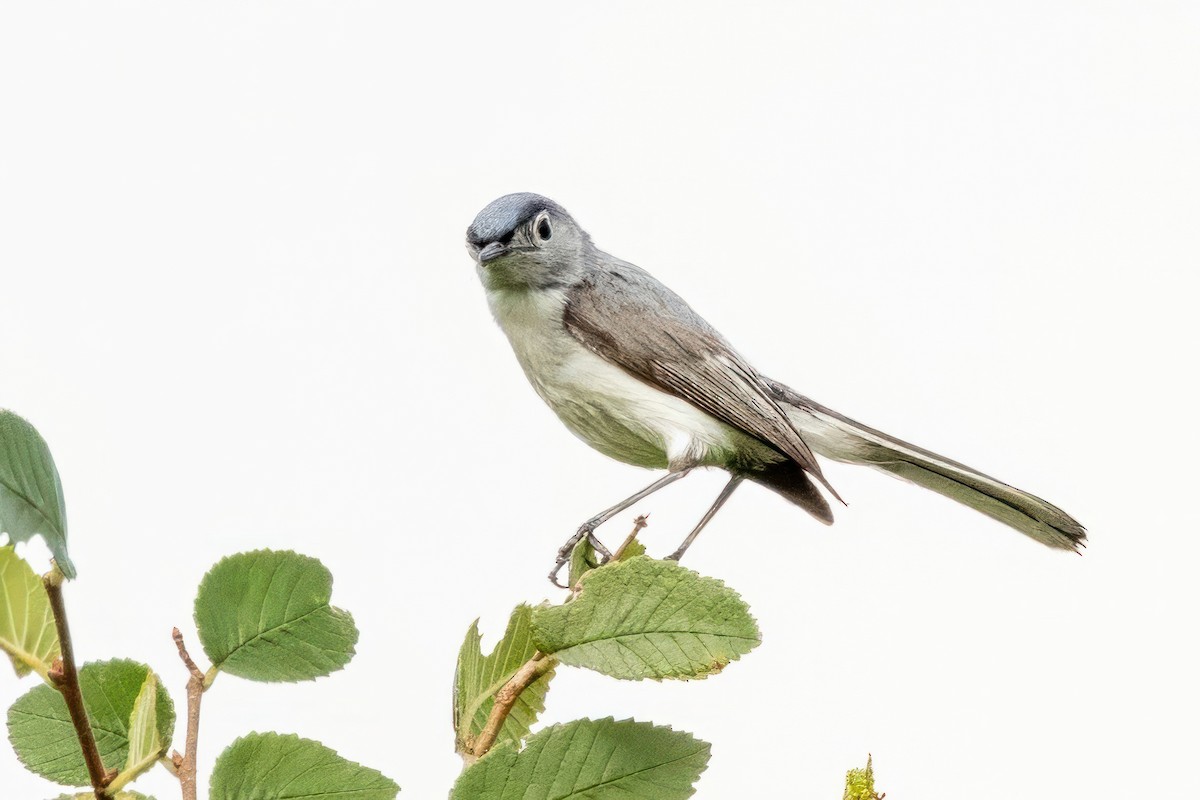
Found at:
(624, 315)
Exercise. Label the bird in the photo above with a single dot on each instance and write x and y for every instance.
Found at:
(632, 370)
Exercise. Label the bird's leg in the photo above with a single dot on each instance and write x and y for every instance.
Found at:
(587, 529)
(708, 515)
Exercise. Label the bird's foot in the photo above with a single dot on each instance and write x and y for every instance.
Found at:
(586, 530)
(597, 545)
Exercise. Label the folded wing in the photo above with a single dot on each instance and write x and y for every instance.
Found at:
(623, 314)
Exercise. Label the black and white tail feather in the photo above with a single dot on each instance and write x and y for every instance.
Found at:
(840, 438)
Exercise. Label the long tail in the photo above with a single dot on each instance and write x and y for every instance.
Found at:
(842, 439)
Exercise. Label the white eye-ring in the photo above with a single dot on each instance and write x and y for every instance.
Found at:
(541, 227)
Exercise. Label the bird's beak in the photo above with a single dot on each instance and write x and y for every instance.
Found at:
(491, 251)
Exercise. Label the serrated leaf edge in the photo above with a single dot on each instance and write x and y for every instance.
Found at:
(293, 737)
(716, 666)
(217, 667)
(510, 750)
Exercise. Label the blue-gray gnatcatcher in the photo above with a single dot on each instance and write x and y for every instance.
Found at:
(632, 370)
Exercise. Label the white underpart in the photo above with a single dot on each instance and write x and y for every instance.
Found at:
(585, 389)
(830, 437)
(842, 440)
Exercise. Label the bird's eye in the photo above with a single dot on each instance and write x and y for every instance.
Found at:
(543, 229)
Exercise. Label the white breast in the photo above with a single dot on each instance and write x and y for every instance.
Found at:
(610, 409)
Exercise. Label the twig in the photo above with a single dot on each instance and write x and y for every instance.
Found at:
(185, 765)
(185, 656)
(506, 698)
(641, 522)
(65, 678)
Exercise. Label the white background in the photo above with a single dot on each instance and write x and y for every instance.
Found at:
(236, 302)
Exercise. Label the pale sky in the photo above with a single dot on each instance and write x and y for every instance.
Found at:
(237, 305)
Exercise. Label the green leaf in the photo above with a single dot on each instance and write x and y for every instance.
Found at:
(860, 784)
(266, 616)
(477, 678)
(632, 550)
(31, 495)
(593, 759)
(27, 631)
(648, 619)
(145, 744)
(273, 766)
(41, 732)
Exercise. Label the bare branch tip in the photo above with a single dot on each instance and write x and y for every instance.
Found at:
(185, 656)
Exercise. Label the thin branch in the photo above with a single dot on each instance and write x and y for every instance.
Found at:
(185, 765)
(65, 678)
(185, 656)
(506, 698)
(641, 522)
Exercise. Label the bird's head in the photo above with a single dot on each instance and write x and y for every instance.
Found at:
(526, 241)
